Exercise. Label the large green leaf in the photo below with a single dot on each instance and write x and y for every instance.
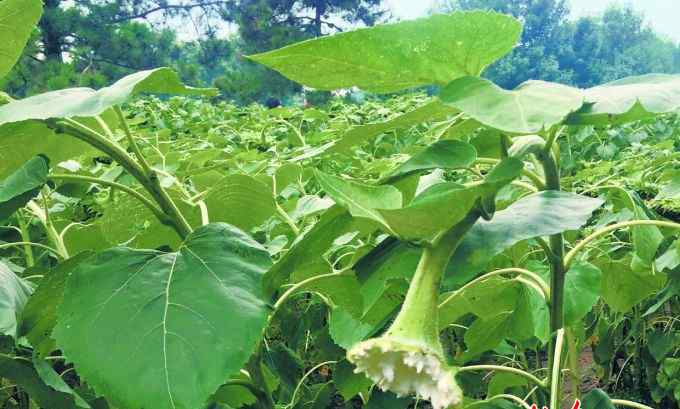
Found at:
(17, 21)
(629, 99)
(445, 154)
(86, 102)
(240, 200)
(393, 57)
(531, 107)
(14, 293)
(165, 330)
(23, 185)
(39, 316)
(540, 214)
(443, 205)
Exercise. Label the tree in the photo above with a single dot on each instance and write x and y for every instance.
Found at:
(264, 25)
(584, 52)
(92, 42)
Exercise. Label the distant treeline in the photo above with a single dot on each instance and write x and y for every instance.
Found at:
(92, 42)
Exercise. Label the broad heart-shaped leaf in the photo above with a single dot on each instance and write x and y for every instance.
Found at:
(445, 154)
(531, 107)
(431, 111)
(393, 57)
(14, 293)
(629, 99)
(86, 102)
(360, 199)
(240, 200)
(17, 21)
(540, 214)
(441, 206)
(23, 185)
(39, 316)
(149, 329)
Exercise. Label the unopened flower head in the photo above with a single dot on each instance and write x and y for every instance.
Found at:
(407, 368)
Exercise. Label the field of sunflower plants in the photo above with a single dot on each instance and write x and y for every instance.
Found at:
(478, 248)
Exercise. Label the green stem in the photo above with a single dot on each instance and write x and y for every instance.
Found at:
(555, 383)
(569, 258)
(298, 286)
(422, 298)
(533, 277)
(148, 180)
(26, 237)
(131, 140)
(30, 244)
(52, 234)
(162, 217)
(519, 372)
(557, 265)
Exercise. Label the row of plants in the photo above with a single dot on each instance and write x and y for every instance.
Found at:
(480, 248)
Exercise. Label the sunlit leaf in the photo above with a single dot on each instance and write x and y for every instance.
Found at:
(531, 107)
(393, 57)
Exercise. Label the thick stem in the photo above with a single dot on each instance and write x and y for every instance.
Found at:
(557, 267)
(419, 314)
(555, 384)
(52, 234)
(148, 180)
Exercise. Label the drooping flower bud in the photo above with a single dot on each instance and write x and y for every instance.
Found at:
(409, 358)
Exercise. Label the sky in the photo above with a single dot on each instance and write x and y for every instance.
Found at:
(663, 15)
